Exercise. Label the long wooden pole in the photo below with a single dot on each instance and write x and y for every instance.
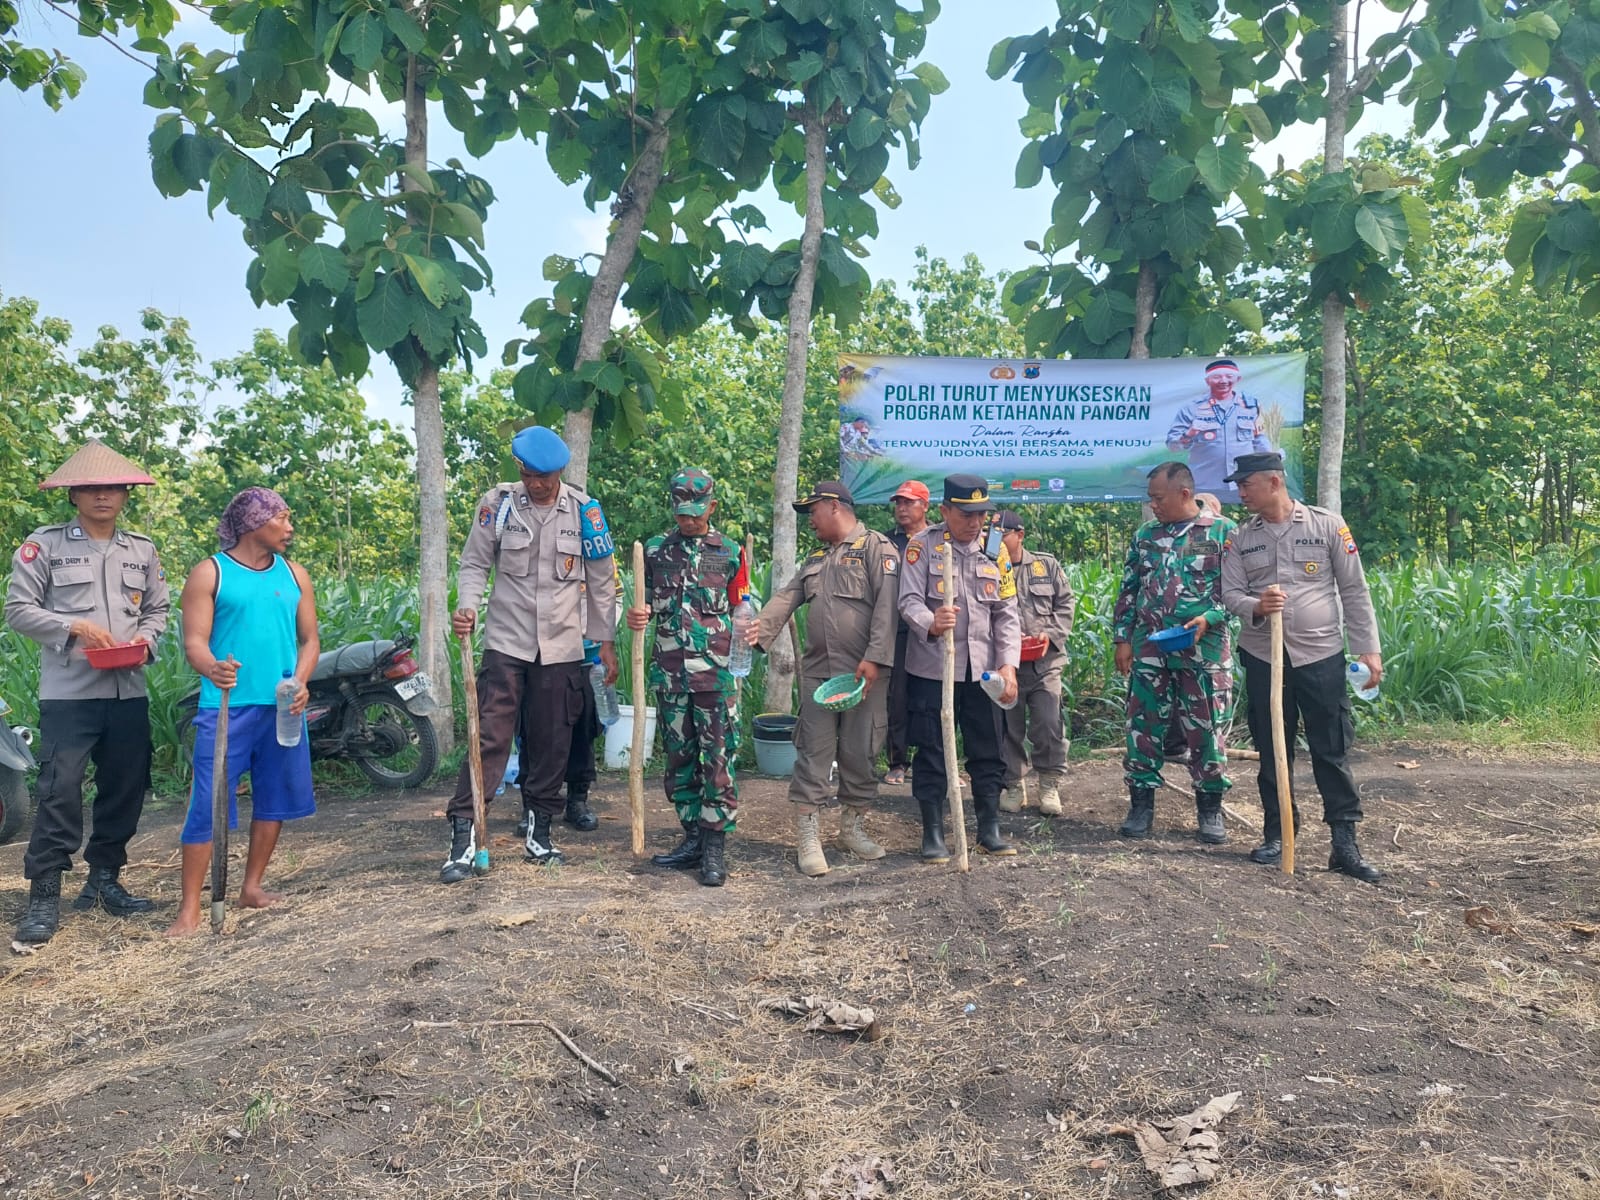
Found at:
(947, 719)
(219, 817)
(480, 822)
(1280, 751)
(636, 752)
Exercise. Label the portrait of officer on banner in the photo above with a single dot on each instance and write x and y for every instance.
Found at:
(1220, 426)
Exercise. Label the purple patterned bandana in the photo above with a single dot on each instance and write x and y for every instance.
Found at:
(247, 512)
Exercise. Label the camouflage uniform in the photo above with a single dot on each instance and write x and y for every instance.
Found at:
(688, 581)
(1173, 574)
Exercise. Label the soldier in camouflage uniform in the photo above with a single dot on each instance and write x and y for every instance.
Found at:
(1173, 576)
(694, 577)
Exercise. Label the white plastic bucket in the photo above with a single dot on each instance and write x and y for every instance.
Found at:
(619, 738)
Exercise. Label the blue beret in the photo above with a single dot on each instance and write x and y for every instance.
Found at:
(540, 449)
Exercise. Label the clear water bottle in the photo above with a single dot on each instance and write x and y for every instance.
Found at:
(605, 696)
(992, 683)
(1361, 681)
(289, 724)
(741, 655)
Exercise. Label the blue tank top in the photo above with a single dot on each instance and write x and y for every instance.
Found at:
(254, 622)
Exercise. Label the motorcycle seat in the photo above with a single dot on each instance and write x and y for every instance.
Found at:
(358, 658)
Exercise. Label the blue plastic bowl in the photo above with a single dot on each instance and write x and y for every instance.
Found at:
(1179, 637)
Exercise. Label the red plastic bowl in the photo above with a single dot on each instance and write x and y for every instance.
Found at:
(116, 658)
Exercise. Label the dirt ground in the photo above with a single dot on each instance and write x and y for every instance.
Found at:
(1384, 1042)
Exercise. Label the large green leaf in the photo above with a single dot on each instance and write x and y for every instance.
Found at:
(365, 224)
(384, 317)
(322, 263)
(1333, 227)
(1188, 225)
(1171, 179)
(1223, 166)
(280, 274)
(1127, 19)
(1383, 227)
(362, 40)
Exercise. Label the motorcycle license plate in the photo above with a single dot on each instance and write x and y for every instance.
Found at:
(411, 685)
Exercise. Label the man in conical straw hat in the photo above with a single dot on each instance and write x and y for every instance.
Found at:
(87, 584)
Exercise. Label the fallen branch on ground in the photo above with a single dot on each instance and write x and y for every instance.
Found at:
(526, 1022)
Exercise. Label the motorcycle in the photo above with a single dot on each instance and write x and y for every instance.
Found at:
(16, 760)
(371, 705)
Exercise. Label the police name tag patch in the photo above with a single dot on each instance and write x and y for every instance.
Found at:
(28, 552)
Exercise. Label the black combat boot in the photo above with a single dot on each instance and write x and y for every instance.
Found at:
(713, 865)
(1271, 849)
(463, 850)
(540, 849)
(933, 848)
(43, 917)
(1141, 813)
(1346, 856)
(578, 813)
(104, 890)
(522, 825)
(1208, 812)
(686, 853)
(989, 839)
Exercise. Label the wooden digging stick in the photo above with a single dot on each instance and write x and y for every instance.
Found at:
(947, 719)
(219, 817)
(1280, 752)
(636, 751)
(480, 822)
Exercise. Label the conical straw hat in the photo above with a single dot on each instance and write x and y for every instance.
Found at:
(96, 463)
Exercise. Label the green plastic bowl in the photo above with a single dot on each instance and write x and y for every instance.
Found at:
(840, 692)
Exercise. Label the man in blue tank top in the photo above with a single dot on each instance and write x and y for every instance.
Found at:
(249, 616)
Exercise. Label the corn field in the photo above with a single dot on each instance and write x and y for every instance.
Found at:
(1486, 643)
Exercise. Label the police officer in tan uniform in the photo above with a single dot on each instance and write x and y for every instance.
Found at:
(550, 550)
(87, 584)
(988, 637)
(851, 584)
(1301, 560)
(1045, 602)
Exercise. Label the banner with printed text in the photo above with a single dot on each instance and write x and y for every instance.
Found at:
(1055, 430)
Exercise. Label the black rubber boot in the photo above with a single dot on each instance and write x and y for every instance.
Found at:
(522, 825)
(933, 847)
(578, 813)
(1141, 816)
(989, 839)
(540, 849)
(686, 853)
(104, 890)
(43, 916)
(1346, 856)
(1208, 818)
(713, 863)
(463, 849)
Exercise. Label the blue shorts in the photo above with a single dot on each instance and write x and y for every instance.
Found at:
(280, 776)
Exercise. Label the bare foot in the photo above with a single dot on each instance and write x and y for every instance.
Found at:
(187, 923)
(258, 898)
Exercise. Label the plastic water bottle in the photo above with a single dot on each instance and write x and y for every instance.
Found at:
(992, 683)
(605, 696)
(1361, 681)
(289, 724)
(741, 655)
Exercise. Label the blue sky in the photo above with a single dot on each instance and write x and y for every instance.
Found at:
(84, 231)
